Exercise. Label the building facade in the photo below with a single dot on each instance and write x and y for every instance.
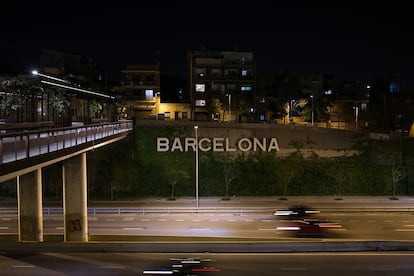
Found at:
(221, 85)
(138, 95)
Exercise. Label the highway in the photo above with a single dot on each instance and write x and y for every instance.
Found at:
(128, 238)
(247, 264)
(359, 221)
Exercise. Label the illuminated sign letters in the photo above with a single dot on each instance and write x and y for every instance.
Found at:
(216, 144)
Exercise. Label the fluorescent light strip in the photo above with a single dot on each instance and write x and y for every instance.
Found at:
(34, 72)
(78, 89)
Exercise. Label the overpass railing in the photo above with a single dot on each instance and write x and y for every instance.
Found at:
(20, 145)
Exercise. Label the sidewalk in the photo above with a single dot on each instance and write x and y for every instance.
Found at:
(244, 201)
(266, 201)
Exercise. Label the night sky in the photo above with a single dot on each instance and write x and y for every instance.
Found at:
(350, 41)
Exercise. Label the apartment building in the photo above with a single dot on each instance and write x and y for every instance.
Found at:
(222, 85)
(138, 95)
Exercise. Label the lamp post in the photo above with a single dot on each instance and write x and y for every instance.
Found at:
(36, 73)
(69, 86)
(356, 117)
(290, 111)
(196, 166)
(229, 116)
(312, 108)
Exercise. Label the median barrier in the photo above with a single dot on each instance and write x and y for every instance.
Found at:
(193, 245)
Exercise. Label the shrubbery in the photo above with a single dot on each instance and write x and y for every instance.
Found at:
(135, 169)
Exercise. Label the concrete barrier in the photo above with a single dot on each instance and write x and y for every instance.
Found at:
(202, 245)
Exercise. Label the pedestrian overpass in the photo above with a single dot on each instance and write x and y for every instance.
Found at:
(23, 154)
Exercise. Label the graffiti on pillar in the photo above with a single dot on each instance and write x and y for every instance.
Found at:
(27, 229)
(75, 225)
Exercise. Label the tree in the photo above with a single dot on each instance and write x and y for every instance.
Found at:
(398, 172)
(228, 167)
(214, 106)
(95, 109)
(175, 176)
(292, 166)
(340, 172)
(23, 95)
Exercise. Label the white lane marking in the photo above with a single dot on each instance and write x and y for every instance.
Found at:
(144, 219)
(23, 266)
(59, 228)
(4, 228)
(267, 220)
(179, 220)
(404, 230)
(134, 228)
(215, 220)
(382, 269)
(294, 268)
(200, 228)
(6, 219)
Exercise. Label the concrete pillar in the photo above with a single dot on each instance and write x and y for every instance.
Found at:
(75, 209)
(30, 210)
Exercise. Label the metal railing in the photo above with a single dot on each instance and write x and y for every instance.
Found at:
(20, 145)
(94, 211)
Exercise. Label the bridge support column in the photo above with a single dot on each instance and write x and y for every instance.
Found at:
(30, 210)
(75, 207)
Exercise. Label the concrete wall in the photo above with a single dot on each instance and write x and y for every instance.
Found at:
(325, 142)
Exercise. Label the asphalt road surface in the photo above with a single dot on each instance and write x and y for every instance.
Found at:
(365, 219)
(291, 264)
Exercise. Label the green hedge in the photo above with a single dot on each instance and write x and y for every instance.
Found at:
(135, 169)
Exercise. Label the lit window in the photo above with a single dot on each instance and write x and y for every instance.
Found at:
(246, 88)
(149, 94)
(200, 102)
(200, 88)
(363, 106)
(167, 115)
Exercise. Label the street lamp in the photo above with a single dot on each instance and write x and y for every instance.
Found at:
(356, 117)
(196, 166)
(35, 72)
(229, 116)
(69, 86)
(312, 108)
(290, 111)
